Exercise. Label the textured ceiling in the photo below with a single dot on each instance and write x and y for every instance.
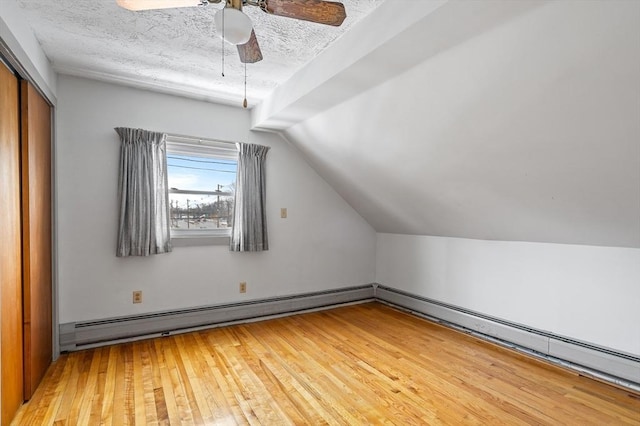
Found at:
(177, 49)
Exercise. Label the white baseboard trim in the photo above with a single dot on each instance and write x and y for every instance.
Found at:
(82, 335)
(603, 363)
(587, 359)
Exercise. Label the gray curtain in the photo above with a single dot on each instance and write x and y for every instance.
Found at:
(249, 231)
(143, 190)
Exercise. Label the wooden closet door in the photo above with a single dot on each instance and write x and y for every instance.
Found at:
(36, 235)
(10, 249)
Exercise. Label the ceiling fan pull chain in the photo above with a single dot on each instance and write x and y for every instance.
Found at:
(244, 104)
(222, 41)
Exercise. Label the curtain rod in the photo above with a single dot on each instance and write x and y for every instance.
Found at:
(198, 139)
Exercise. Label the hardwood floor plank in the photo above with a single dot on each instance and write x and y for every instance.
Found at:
(162, 412)
(119, 387)
(139, 386)
(71, 396)
(182, 360)
(75, 394)
(165, 359)
(129, 402)
(361, 364)
(229, 399)
(149, 363)
(195, 396)
(244, 370)
(216, 395)
(94, 412)
(106, 415)
(53, 395)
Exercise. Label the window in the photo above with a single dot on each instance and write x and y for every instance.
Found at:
(202, 176)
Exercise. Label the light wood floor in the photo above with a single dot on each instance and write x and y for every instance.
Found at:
(363, 364)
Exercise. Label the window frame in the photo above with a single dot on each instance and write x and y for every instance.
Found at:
(203, 148)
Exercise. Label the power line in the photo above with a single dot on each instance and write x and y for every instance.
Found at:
(230, 163)
(202, 168)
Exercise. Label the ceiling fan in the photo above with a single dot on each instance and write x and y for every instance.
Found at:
(319, 11)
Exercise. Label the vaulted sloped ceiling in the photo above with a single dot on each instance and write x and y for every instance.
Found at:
(490, 120)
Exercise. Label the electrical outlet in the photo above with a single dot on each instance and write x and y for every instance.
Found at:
(243, 287)
(137, 296)
(283, 212)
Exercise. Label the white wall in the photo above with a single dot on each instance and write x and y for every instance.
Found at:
(323, 244)
(587, 293)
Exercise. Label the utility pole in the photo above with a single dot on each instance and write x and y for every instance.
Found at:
(218, 207)
(187, 213)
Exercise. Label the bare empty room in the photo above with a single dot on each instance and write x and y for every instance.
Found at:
(275, 212)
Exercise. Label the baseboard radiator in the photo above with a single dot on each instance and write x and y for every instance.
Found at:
(82, 335)
(603, 363)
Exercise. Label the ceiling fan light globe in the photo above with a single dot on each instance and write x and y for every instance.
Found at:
(237, 26)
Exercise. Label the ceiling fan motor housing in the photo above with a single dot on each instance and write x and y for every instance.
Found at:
(233, 26)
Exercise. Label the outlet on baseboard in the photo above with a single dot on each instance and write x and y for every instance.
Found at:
(137, 296)
(243, 287)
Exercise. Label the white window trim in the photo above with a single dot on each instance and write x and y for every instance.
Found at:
(205, 240)
(208, 148)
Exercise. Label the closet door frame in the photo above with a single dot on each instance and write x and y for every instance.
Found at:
(15, 54)
(11, 351)
(12, 54)
(13, 395)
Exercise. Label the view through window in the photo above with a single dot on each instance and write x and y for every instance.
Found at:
(201, 188)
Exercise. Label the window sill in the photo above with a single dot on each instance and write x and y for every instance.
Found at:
(199, 240)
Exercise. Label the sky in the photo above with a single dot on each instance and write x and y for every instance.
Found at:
(199, 173)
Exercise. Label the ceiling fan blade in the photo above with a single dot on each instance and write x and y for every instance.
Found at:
(319, 11)
(250, 51)
(156, 4)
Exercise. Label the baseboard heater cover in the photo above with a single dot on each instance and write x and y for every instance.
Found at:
(80, 335)
(620, 368)
(595, 360)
